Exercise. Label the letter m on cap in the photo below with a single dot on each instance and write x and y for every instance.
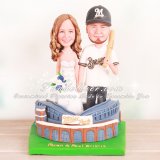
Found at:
(99, 13)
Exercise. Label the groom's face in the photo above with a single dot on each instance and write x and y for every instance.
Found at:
(98, 32)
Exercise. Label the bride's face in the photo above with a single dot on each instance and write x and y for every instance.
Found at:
(66, 34)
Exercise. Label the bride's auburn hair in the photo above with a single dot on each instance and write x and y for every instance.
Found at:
(55, 46)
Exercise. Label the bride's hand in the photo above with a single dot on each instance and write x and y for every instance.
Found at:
(79, 88)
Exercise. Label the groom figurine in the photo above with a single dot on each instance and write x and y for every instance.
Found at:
(98, 23)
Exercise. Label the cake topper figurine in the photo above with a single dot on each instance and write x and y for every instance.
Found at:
(98, 23)
(64, 124)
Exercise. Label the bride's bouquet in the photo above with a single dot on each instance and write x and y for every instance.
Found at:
(59, 82)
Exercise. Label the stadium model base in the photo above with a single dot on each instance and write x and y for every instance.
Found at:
(111, 147)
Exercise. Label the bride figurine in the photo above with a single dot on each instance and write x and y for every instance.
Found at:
(65, 47)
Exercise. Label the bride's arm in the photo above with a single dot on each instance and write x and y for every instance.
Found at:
(58, 66)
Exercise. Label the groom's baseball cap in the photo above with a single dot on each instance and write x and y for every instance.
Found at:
(98, 14)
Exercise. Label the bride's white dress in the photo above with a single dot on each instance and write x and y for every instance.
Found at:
(69, 97)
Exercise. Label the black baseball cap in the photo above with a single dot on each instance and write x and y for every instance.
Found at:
(98, 14)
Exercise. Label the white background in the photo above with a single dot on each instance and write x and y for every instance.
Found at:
(25, 57)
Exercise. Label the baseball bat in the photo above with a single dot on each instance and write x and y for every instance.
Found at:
(109, 47)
